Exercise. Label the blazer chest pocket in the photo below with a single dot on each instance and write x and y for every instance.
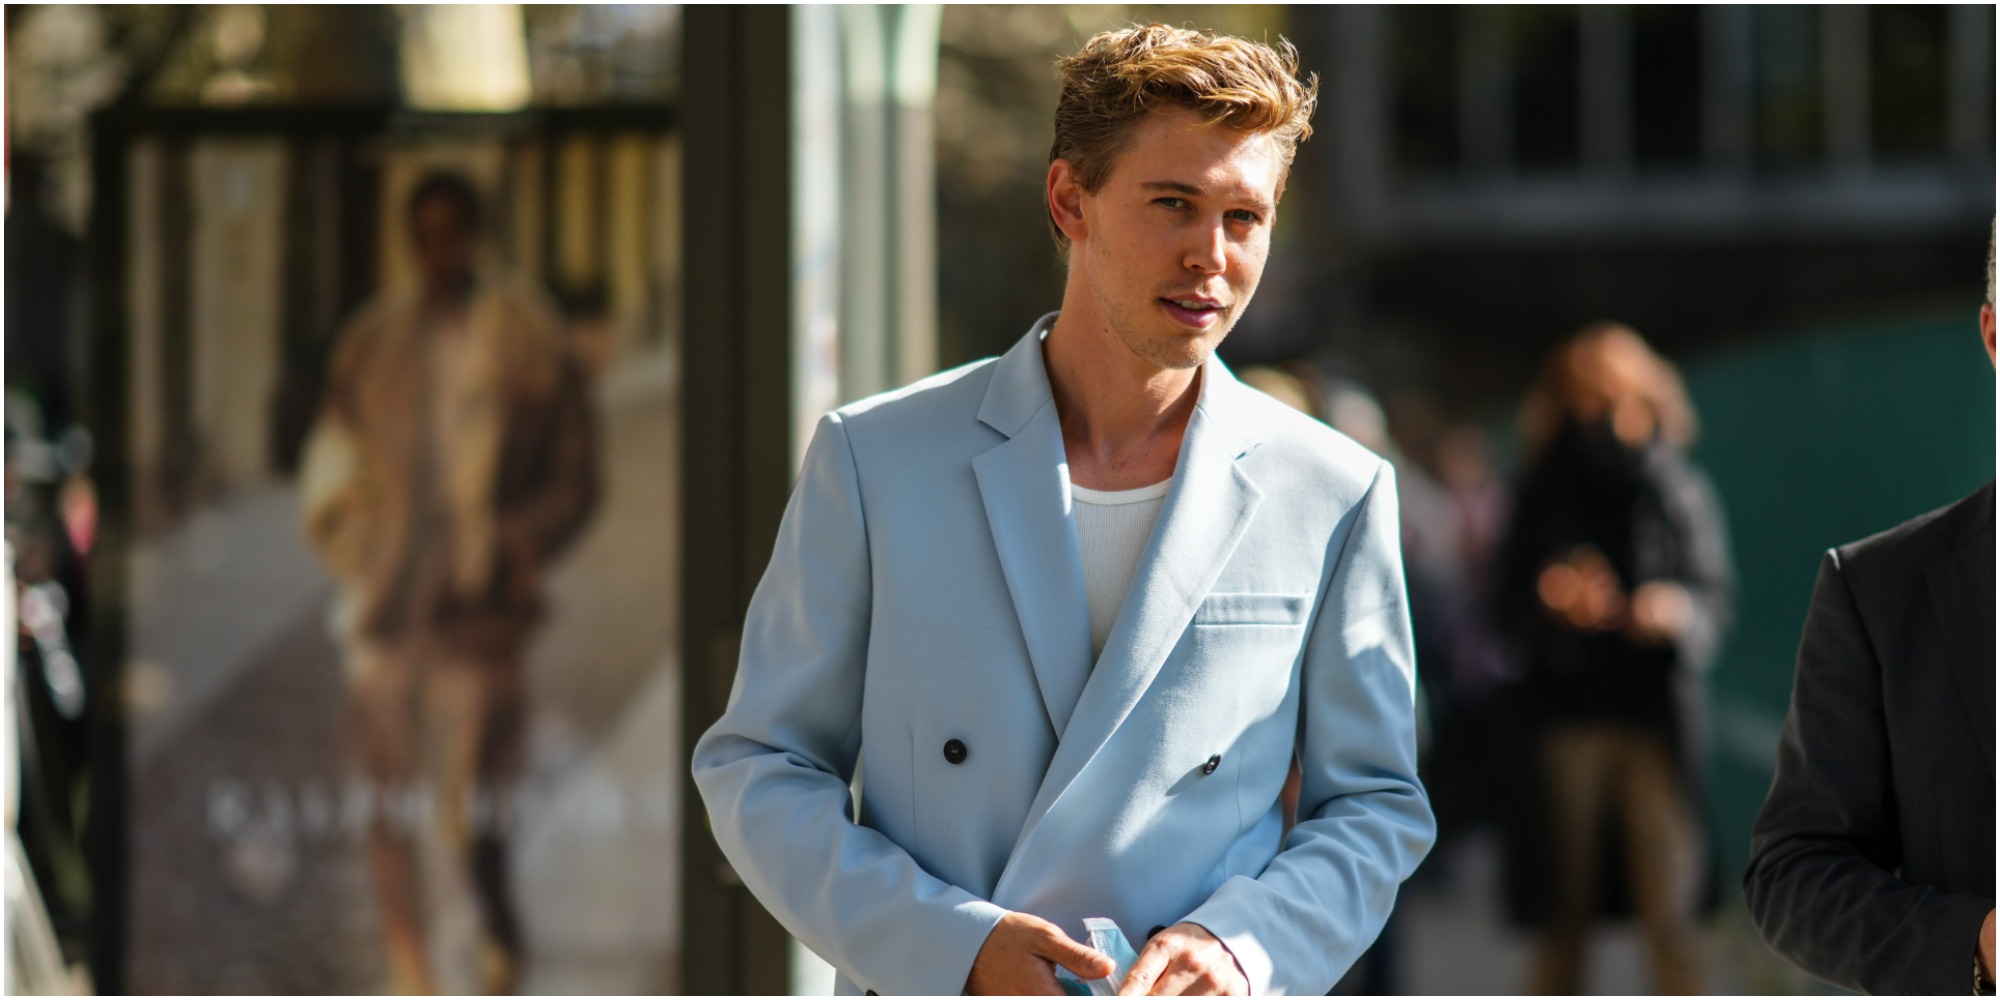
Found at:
(1251, 609)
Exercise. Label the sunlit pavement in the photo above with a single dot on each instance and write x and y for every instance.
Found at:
(1456, 940)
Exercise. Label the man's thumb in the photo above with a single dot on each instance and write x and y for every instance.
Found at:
(1086, 962)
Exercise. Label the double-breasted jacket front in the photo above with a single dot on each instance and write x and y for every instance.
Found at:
(924, 622)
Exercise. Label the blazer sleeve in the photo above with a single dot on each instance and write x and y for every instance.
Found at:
(775, 769)
(1824, 851)
(1364, 820)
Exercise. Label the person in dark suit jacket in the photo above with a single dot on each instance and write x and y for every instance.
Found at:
(1871, 863)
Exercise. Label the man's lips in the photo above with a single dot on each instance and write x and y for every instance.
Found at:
(1193, 310)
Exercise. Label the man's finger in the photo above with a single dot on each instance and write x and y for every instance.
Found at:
(1185, 978)
(1086, 962)
(1139, 981)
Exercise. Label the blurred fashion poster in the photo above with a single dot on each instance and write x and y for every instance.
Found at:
(399, 672)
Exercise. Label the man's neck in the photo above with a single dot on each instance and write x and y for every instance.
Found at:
(1122, 417)
(446, 311)
(446, 293)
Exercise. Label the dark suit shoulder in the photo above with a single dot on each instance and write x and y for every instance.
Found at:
(1903, 548)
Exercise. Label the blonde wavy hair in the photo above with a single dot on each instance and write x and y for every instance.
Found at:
(1600, 371)
(1120, 77)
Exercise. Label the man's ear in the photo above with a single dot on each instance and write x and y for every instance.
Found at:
(1986, 330)
(1065, 193)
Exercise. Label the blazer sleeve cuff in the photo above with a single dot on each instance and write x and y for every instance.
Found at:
(1958, 922)
(936, 954)
(1225, 917)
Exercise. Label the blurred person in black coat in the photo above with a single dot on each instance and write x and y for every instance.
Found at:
(1615, 588)
(1871, 863)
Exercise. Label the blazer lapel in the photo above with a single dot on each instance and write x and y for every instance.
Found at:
(1024, 483)
(1207, 511)
(1961, 584)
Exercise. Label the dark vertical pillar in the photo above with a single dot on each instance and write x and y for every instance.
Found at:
(106, 401)
(359, 238)
(307, 318)
(548, 143)
(736, 419)
(181, 457)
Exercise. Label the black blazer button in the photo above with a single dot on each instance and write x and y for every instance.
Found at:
(954, 751)
(1213, 763)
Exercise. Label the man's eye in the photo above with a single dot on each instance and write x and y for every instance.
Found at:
(1173, 203)
(1245, 215)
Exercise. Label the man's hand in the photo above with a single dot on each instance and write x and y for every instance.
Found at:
(1660, 610)
(1185, 960)
(1986, 946)
(1582, 591)
(1015, 960)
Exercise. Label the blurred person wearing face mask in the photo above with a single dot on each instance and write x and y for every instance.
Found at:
(453, 459)
(1615, 584)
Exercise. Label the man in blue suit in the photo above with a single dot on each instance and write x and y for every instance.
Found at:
(1042, 637)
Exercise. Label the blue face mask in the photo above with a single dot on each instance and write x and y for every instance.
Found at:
(1105, 936)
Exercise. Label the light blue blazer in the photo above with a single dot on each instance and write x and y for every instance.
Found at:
(923, 620)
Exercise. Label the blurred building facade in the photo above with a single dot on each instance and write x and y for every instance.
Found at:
(1494, 177)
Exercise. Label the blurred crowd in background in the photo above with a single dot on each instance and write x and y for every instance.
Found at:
(1614, 288)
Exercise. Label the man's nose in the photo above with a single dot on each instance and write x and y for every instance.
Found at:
(1208, 251)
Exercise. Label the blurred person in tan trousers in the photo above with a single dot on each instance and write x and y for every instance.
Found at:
(453, 459)
(1616, 585)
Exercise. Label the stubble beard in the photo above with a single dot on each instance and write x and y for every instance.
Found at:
(1167, 352)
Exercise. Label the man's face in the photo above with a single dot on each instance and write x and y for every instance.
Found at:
(1175, 239)
(444, 242)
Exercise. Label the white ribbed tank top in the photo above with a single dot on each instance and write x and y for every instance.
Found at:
(1112, 528)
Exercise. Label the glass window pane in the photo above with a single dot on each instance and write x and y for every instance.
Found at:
(1424, 67)
(1546, 112)
(1666, 86)
(1907, 73)
(1790, 108)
